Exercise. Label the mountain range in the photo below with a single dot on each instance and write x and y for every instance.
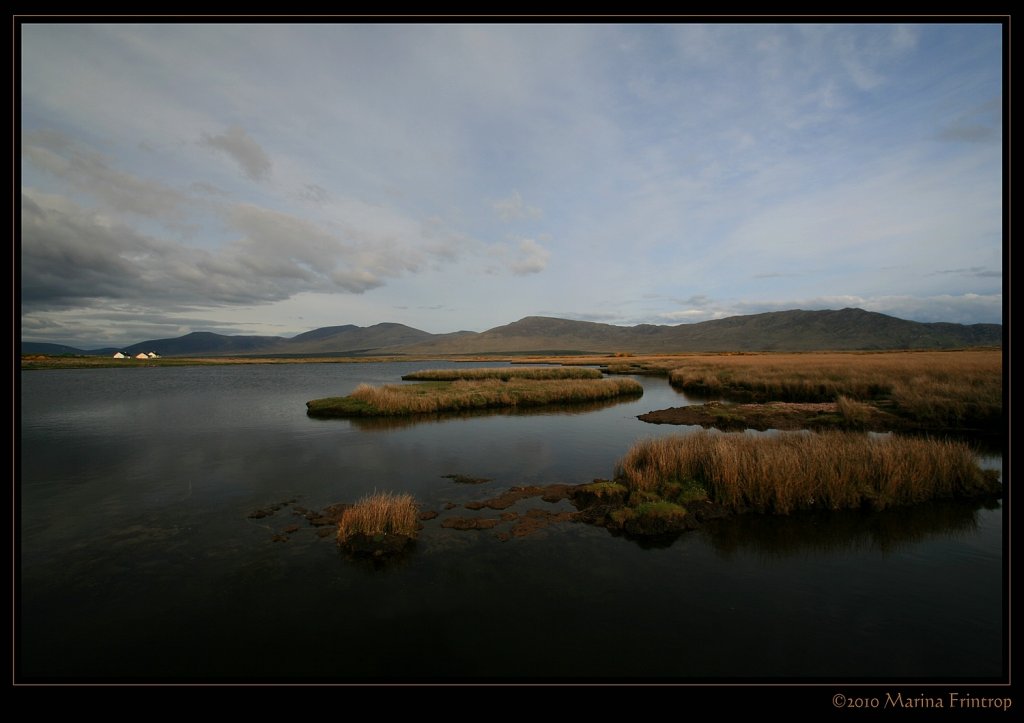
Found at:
(795, 330)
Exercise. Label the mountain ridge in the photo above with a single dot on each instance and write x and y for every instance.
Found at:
(793, 330)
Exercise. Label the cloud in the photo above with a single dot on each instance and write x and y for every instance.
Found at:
(71, 255)
(514, 209)
(865, 54)
(119, 323)
(980, 272)
(533, 258)
(246, 152)
(88, 172)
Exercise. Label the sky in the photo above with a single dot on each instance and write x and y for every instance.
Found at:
(271, 179)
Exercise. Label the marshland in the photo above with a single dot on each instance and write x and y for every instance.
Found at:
(196, 517)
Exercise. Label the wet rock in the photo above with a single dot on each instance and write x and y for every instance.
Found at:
(324, 532)
(464, 480)
(469, 523)
(279, 538)
(509, 498)
(428, 515)
(536, 519)
(334, 512)
(556, 492)
(290, 529)
(450, 505)
(509, 516)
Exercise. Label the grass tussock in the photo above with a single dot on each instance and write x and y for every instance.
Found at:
(428, 397)
(856, 414)
(381, 513)
(788, 472)
(504, 374)
(938, 390)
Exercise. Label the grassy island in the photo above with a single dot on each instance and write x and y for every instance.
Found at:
(380, 524)
(427, 397)
(787, 472)
(927, 391)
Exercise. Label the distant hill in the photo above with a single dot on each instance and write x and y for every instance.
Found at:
(796, 330)
(205, 342)
(349, 338)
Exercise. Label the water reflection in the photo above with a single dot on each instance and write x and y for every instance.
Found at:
(887, 531)
(387, 423)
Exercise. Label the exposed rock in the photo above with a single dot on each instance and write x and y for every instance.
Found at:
(469, 523)
(464, 480)
(536, 519)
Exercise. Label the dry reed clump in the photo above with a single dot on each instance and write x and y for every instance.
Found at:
(504, 374)
(856, 414)
(793, 471)
(378, 514)
(392, 400)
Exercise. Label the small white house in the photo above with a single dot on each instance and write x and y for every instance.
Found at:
(141, 355)
(153, 355)
(120, 355)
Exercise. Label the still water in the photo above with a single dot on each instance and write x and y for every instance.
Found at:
(138, 560)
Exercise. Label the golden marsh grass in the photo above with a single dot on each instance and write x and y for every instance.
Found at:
(793, 471)
(951, 389)
(381, 513)
(427, 397)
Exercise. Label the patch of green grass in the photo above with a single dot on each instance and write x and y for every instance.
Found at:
(661, 509)
(605, 488)
(684, 491)
(340, 407)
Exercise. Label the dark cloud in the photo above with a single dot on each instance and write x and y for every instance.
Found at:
(246, 152)
(977, 271)
(695, 300)
(71, 255)
(88, 172)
